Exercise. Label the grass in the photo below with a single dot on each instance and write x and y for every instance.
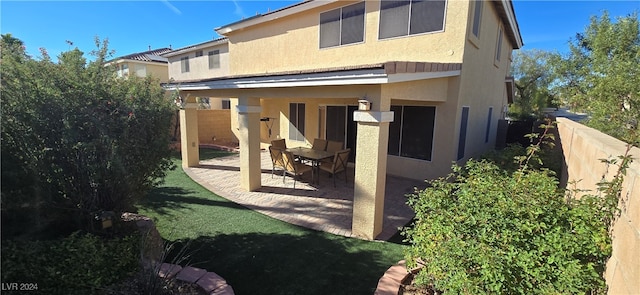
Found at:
(257, 254)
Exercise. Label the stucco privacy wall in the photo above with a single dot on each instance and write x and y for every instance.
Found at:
(583, 149)
(214, 126)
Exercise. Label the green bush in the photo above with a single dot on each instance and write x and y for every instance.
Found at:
(76, 140)
(77, 264)
(484, 229)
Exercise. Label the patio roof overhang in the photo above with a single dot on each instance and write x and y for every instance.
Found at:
(390, 72)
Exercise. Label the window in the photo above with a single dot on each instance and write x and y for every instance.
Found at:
(296, 121)
(198, 53)
(184, 64)
(402, 18)
(123, 70)
(226, 104)
(486, 135)
(463, 132)
(204, 103)
(411, 132)
(141, 70)
(477, 17)
(214, 59)
(342, 26)
(499, 44)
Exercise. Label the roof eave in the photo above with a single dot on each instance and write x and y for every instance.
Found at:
(259, 19)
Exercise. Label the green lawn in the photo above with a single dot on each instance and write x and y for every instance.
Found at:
(257, 254)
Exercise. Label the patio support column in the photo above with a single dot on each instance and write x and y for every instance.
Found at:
(189, 142)
(249, 124)
(371, 168)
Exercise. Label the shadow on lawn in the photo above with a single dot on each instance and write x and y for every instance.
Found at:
(164, 200)
(312, 263)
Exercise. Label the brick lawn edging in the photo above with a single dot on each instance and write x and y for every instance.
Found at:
(209, 282)
(389, 283)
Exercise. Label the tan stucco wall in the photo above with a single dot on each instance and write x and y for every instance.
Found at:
(199, 66)
(482, 83)
(288, 43)
(583, 148)
(443, 150)
(158, 71)
(214, 126)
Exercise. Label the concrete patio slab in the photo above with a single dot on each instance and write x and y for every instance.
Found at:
(321, 207)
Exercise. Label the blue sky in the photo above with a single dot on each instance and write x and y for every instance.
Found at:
(133, 26)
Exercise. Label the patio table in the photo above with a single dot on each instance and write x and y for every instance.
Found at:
(314, 156)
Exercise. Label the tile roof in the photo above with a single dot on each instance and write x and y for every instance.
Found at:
(149, 56)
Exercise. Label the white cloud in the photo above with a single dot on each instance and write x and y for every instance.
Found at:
(173, 8)
(239, 12)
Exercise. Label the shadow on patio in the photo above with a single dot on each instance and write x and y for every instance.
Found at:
(320, 207)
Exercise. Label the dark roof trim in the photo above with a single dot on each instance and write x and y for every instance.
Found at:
(148, 56)
(392, 67)
(196, 46)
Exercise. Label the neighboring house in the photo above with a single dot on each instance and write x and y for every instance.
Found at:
(204, 61)
(434, 73)
(142, 64)
(201, 61)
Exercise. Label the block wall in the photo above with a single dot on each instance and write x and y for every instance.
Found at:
(583, 148)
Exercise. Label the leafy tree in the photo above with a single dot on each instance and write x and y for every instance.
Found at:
(77, 140)
(534, 76)
(601, 75)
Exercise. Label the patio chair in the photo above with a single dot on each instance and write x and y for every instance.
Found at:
(338, 165)
(294, 168)
(279, 143)
(276, 159)
(319, 144)
(334, 146)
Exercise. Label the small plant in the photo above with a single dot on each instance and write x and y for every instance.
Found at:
(485, 229)
(152, 282)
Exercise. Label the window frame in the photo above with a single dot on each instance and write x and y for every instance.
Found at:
(184, 64)
(476, 14)
(409, 34)
(226, 104)
(295, 127)
(215, 54)
(199, 53)
(340, 28)
(498, 49)
(462, 135)
(399, 119)
(488, 130)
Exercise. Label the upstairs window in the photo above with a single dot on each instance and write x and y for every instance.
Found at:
(184, 64)
(123, 70)
(499, 45)
(342, 26)
(477, 17)
(403, 18)
(198, 53)
(214, 59)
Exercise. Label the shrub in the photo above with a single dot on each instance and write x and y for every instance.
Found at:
(76, 140)
(487, 229)
(77, 264)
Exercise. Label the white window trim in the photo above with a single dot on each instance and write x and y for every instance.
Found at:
(444, 24)
(364, 29)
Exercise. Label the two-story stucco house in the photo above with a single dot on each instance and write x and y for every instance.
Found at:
(434, 73)
(142, 64)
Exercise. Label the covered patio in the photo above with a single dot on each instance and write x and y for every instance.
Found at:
(320, 207)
